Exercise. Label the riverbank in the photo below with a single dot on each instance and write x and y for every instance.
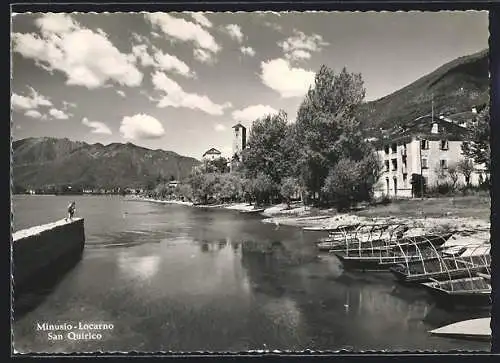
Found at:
(447, 213)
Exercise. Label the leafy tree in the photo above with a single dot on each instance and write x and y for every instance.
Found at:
(326, 129)
(219, 165)
(453, 173)
(289, 187)
(477, 145)
(266, 152)
(263, 188)
(351, 181)
(184, 191)
(466, 168)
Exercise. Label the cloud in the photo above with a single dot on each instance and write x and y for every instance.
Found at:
(254, 112)
(201, 19)
(160, 60)
(67, 105)
(169, 62)
(141, 54)
(176, 97)
(121, 93)
(183, 30)
(300, 46)
(203, 56)
(87, 58)
(33, 114)
(219, 127)
(58, 114)
(248, 51)
(97, 127)
(288, 81)
(274, 26)
(234, 31)
(141, 126)
(139, 38)
(19, 102)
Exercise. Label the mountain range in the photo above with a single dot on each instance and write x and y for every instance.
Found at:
(455, 87)
(38, 162)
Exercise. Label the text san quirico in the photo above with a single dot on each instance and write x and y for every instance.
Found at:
(74, 330)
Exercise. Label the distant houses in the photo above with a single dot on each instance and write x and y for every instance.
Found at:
(426, 148)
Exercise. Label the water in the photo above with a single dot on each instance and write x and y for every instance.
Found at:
(176, 278)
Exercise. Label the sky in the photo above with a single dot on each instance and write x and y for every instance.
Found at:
(180, 81)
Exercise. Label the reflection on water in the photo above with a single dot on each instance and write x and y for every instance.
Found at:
(184, 279)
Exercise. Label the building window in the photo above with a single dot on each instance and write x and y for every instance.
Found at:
(405, 179)
(403, 151)
(387, 165)
(424, 144)
(444, 144)
(443, 164)
(424, 163)
(386, 149)
(394, 148)
(394, 164)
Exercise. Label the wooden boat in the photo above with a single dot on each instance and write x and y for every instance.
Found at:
(340, 228)
(253, 211)
(397, 244)
(373, 236)
(468, 291)
(473, 329)
(443, 266)
(383, 259)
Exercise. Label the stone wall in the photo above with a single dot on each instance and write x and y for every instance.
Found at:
(47, 248)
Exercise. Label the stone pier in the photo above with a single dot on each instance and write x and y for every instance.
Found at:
(45, 250)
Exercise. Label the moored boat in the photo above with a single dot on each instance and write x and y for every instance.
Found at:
(469, 291)
(473, 329)
(466, 262)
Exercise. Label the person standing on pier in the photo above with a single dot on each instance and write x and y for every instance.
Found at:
(71, 210)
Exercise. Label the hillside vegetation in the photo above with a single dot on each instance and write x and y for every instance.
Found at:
(39, 162)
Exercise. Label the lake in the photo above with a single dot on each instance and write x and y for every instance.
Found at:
(177, 278)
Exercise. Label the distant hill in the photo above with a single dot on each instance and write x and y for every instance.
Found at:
(38, 162)
(457, 86)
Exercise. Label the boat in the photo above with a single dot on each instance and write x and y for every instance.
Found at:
(253, 211)
(473, 329)
(368, 259)
(469, 291)
(340, 228)
(396, 243)
(465, 262)
(371, 236)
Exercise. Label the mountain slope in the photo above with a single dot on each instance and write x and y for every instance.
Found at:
(457, 86)
(38, 162)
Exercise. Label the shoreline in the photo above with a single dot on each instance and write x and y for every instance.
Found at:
(305, 217)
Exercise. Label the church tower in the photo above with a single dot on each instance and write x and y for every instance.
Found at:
(239, 143)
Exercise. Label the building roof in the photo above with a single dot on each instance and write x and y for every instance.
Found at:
(212, 151)
(422, 128)
(238, 125)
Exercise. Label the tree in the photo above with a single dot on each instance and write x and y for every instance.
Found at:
(266, 152)
(219, 165)
(351, 181)
(466, 168)
(326, 129)
(453, 173)
(263, 188)
(289, 187)
(477, 145)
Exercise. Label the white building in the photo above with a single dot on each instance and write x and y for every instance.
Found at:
(426, 147)
(212, 154)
